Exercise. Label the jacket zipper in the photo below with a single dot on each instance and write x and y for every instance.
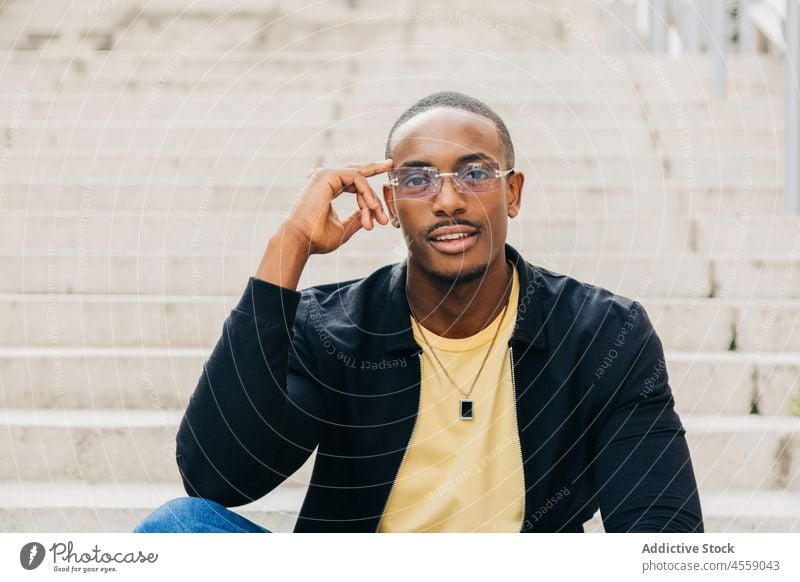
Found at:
(405, 453)
(519, 436)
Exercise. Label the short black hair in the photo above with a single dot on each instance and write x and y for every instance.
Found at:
(464, 102)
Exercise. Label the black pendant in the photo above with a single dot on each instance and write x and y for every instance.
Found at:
(466, 409)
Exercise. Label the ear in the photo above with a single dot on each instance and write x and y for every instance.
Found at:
(388, 196)
(515, 183)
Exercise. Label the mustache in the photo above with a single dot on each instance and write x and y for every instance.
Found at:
(456, 222)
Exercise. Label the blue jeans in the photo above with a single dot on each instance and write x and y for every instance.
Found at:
(196, 515)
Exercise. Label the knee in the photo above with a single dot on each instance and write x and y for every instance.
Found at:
(176, 515)
(196, 515)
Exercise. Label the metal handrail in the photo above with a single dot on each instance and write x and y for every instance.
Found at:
(777, 22)
(792, 122)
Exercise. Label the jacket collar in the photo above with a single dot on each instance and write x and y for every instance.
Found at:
(528, 329)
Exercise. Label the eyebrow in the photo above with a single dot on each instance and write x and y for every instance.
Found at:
(475, 157)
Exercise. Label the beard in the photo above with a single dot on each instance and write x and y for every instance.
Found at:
(460, 277)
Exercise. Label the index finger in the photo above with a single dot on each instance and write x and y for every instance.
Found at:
(373, 168)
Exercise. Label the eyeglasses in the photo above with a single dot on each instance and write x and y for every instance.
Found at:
(471, 178)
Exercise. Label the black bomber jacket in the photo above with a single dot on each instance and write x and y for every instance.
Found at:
(335, 368)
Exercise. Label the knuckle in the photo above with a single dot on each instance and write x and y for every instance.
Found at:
(316, 173)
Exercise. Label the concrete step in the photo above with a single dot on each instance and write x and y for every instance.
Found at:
(203, 230)
(95, 445)
(744, 451)
(244, 30)
(169, 135)
(595, 136)
(728, 452)
(613, 83)
(203, 165)
(518, 101)
(568, 136)
(269, 165)
(262, 32)
(553, 197)
(173, 80)
(731, 383)
(153, 378)
(119, 64)
(387, 28)
(691, 112)
(410, 57)
(114, 507)
(72, 320)
(736, 138)
(165, 136)
(110, 67)
(113, 73)
(657, 274)
(156, 104)
(71, 506)
(276, 68)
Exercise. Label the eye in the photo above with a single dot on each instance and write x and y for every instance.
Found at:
(477, 173)
(415, 180)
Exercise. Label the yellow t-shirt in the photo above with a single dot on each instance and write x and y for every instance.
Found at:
(462, 475)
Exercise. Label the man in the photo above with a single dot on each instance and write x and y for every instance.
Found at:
(463, 389)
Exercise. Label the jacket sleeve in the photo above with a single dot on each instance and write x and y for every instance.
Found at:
(643, 472)
(256, 414)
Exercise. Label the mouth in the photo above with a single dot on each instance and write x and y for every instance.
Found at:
(452, 243)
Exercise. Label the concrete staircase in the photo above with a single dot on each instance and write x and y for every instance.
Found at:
(149, 149)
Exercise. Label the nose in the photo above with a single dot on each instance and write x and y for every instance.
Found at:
(448, 202)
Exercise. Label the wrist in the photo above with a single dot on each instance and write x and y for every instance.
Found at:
(284, 259)
(291, 242)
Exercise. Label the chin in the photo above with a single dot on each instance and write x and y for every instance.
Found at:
(459, 276)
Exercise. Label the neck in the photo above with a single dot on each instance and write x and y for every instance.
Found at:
(463, 309)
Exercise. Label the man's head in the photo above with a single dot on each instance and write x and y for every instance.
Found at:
(448, 131)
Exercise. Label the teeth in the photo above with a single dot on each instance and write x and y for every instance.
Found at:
(452, 236)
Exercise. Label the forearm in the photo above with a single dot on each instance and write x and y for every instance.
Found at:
(228, 441)
(644, 475)
(648, 485)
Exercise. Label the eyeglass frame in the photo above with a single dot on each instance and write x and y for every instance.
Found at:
(498, 174)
